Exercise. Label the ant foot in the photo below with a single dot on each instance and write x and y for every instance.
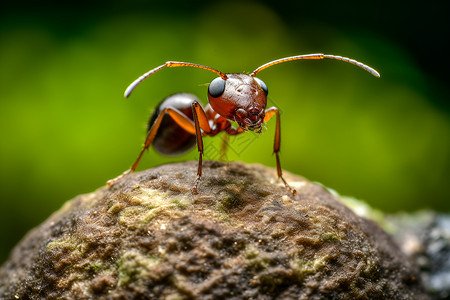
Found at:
(114, 180)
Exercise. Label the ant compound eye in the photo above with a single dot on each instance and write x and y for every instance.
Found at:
(216, 87)
(262, 85)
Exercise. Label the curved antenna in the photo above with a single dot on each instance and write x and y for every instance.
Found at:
(317, 56)
(170, 64)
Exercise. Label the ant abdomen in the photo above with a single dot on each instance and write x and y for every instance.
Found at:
(171, 139)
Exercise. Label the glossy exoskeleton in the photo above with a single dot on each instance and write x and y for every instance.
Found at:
(173, 140)
(180, 121)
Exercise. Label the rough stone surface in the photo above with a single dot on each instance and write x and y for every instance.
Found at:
(425, 237)
(242, 237)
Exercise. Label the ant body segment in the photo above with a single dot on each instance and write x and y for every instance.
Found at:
(180, 121)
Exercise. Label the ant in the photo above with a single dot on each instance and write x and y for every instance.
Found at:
(238, 97)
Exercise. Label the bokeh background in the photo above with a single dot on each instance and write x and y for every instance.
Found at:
(66, 129)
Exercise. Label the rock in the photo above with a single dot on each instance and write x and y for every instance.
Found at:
(242, 237)
(425, 237)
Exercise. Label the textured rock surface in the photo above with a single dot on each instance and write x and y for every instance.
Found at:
(242, 237)
(425, 237)
(422, 235)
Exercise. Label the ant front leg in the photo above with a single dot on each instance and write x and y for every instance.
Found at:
(276, 145)
(201, 123)
(180, 118)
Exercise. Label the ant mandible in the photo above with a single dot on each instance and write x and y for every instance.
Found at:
(238, 97)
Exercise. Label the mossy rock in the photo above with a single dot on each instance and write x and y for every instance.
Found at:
(242, 237)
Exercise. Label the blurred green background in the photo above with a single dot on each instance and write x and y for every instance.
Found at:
(66, 129)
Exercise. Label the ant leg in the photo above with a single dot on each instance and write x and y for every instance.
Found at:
(201, 123)
(224, 147)
(276, 146)
(180, 118)
(230, 130)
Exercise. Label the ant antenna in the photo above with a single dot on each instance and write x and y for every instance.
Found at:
(170, 64)
(316, 56)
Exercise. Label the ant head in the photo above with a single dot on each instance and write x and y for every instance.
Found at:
(240, 97)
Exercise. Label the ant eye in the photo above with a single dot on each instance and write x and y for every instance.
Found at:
(216, 87)
(262, 85)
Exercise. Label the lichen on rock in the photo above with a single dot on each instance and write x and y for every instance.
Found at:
(242, 237)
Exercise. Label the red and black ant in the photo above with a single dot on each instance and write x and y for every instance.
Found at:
(238, 97)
